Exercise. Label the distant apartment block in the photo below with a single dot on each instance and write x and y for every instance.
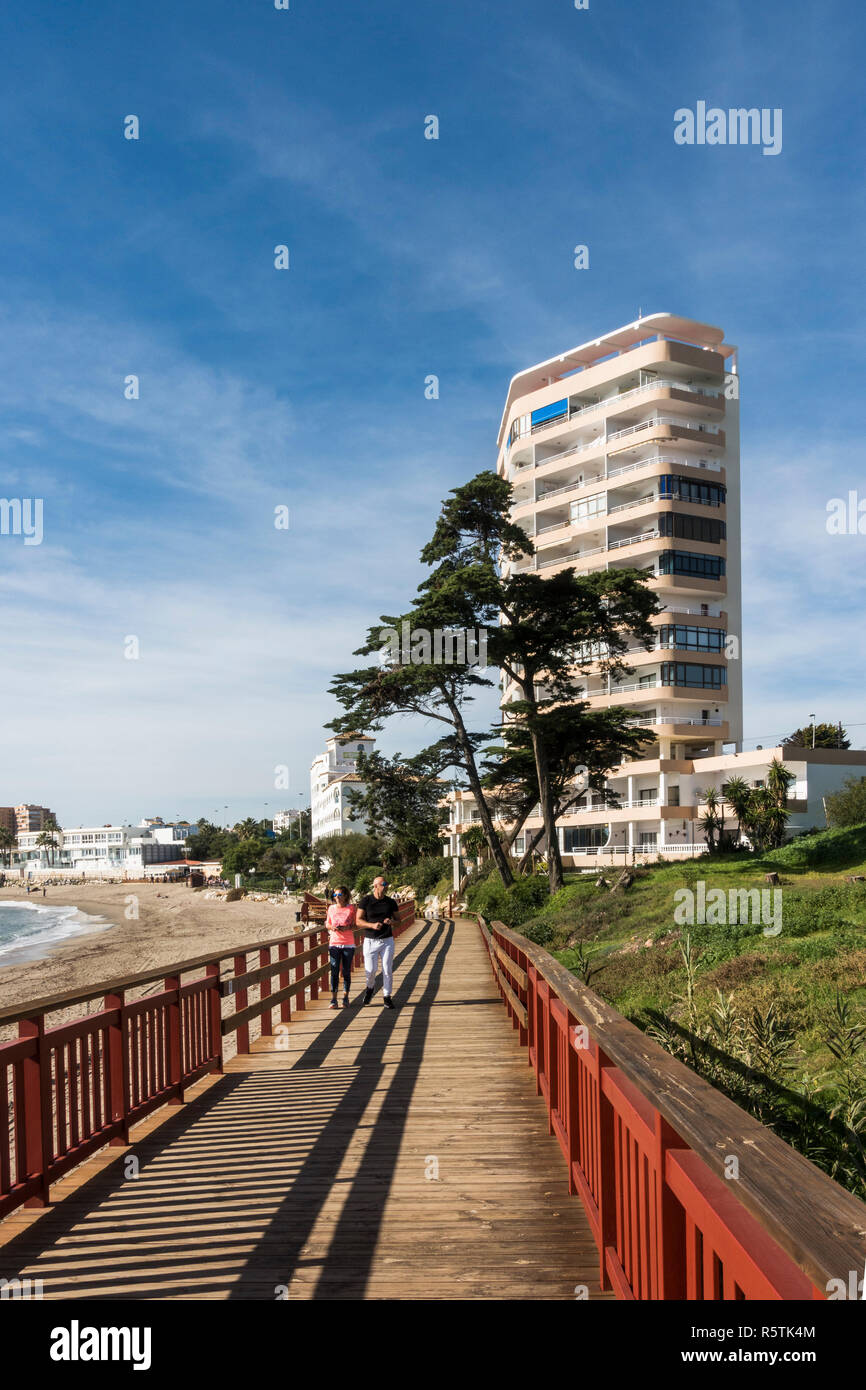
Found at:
(8, 819)
(29, 818)
(332, 776)
(286, 820)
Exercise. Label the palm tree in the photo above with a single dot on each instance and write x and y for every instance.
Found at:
(713, 819)
(46, 841)
(246, 829)
(7, 844)
(737, 792)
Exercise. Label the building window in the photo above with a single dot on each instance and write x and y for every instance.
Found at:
(686, 673)
(673, 796)
(684, 490)
(584, 837)
(684, 562)
(692, 638)
(692, 528)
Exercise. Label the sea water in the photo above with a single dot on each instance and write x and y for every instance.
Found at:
(30, 930)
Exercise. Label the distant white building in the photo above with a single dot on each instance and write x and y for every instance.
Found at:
(286, 820)
(114, 851)
(332, 776)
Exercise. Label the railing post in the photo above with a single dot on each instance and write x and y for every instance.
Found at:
(285, 980)
(300, 997)
(36, 1102)
(118, 1069)
(241, 999)
(606, 1168)
(173, 1040)
(215, 1018)
(670, 1219)
(314, 965)
(264, 990)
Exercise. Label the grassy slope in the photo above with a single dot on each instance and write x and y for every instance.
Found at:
(821, 950)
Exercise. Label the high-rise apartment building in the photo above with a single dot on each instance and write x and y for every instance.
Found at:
(624, 452)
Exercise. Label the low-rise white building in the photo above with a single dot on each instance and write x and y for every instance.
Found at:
(112, 851)
(661, 803)
(332, 776)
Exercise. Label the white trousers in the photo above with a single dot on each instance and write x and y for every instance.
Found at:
(374, 953)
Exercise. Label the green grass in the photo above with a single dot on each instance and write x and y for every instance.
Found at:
(745, 985)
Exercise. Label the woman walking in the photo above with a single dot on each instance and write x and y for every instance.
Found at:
(340, 921)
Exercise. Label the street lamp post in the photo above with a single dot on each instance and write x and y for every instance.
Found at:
(812, 717)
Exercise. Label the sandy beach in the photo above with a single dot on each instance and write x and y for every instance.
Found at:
(174, 924)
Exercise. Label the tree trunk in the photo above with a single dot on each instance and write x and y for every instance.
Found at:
(548, 813)
(500, 858)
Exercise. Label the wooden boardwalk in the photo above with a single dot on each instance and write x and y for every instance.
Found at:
(375, 1154)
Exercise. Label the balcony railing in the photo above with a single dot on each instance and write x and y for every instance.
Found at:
(647, 387)
(699, 425)
(633, 540)
(646, 723)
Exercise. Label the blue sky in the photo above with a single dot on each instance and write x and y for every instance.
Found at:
(306, 388)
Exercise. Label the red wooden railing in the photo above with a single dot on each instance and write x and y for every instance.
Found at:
(68, 1090)
(688, 1196)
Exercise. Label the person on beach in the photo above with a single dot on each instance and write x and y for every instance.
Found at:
(340, 921)
(376, 915)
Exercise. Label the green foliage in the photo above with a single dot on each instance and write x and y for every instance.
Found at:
(364, 879)
(243, 856)
(826, 736)
(511, 905)
(348, 855)
(848, 805)
(422, 876)
(839, 848)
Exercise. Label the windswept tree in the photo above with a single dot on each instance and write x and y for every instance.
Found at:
(550, 629)
(537, 630)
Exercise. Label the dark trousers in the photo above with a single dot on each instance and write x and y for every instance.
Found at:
(341, 958)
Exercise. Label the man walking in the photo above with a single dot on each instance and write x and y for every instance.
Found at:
(376, 915)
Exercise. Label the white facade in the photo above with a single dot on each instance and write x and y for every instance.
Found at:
(677, 800)
(332, 776)
(114, 851)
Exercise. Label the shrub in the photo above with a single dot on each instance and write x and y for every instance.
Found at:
(422, 876)
(512, 905)
(364, 880)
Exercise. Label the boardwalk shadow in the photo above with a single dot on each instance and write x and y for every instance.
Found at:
(231, 1188)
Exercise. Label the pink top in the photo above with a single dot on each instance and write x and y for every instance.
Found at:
(340, 921)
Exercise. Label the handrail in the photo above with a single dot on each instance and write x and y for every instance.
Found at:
(69, 1090)
(688, 1196)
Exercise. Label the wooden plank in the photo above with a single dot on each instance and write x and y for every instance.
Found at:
(310, 1164)
(512, 998)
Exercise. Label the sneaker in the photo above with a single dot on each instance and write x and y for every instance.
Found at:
(345, 1001)
(387, 1001)
(333, 1003)
(368, 995)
